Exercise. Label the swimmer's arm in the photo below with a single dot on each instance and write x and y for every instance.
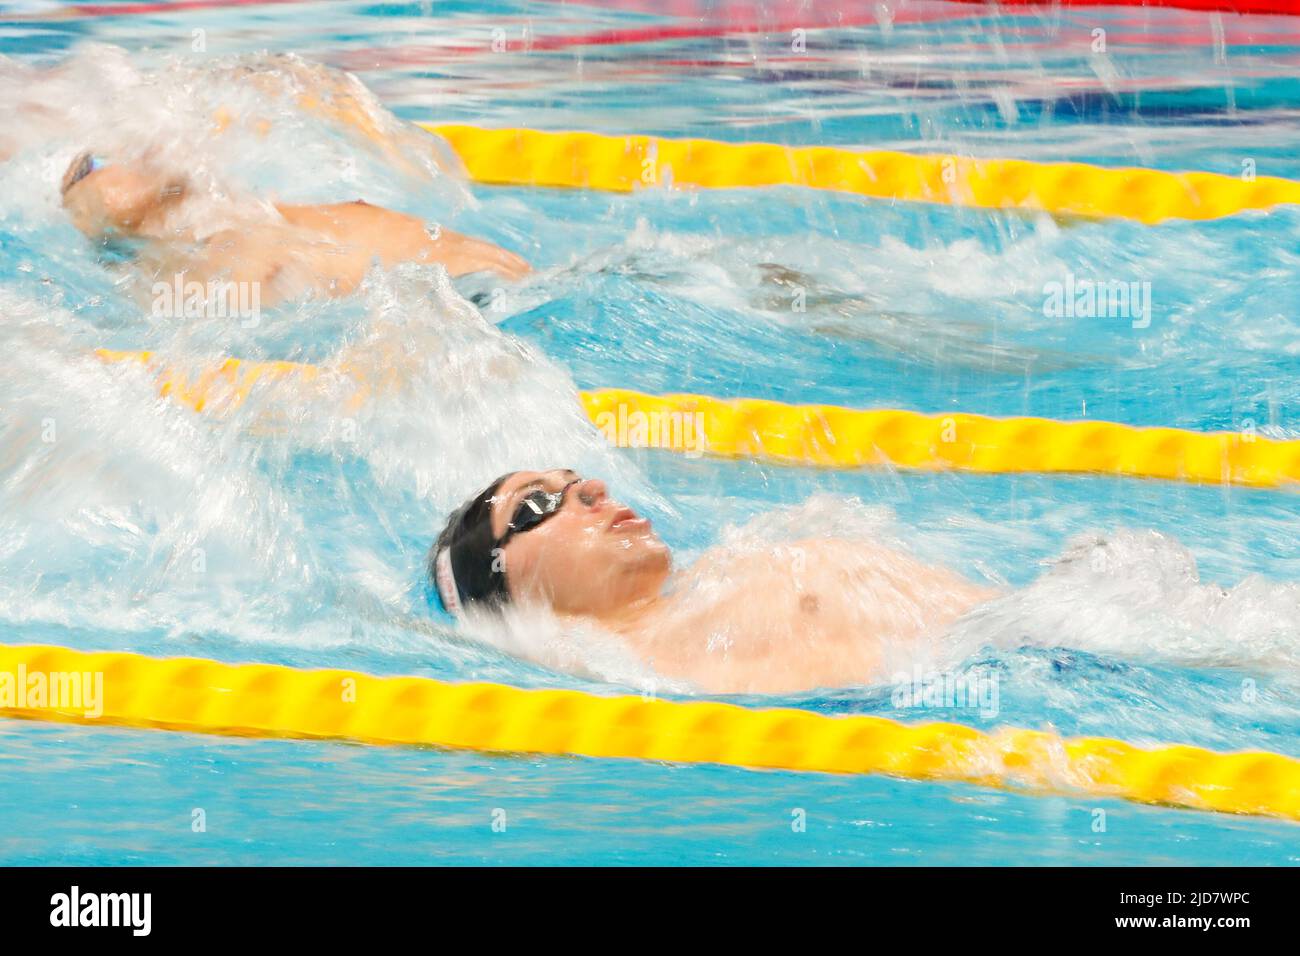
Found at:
(396, 237)
(463, 254)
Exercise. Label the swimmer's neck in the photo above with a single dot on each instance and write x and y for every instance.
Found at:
(637, 622)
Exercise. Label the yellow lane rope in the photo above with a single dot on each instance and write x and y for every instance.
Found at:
(265, 700)
(525, 157)
(833, 437)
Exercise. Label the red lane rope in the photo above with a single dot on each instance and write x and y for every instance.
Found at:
(1290, 8)
(829, 14)
(368, 58)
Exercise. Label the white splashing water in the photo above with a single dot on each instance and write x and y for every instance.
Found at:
(1138, 595)
(230, 125)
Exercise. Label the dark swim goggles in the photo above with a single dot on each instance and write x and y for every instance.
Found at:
(533, 509)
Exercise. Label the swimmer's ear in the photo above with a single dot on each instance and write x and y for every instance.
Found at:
(173, 191)
(154, 161)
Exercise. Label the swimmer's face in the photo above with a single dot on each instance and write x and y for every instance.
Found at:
(117, 197)
(594, 556)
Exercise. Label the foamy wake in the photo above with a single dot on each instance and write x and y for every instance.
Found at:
(1138, 595)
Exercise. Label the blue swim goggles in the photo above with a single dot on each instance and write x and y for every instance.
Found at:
(83, 166)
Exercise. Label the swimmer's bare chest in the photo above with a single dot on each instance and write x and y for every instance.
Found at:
(791, 617)
(762, 600)
(825, 592)
(761, 630)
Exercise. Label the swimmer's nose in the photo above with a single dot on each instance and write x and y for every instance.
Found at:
(590, 491)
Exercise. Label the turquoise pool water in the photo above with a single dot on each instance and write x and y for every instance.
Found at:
(1174, 620)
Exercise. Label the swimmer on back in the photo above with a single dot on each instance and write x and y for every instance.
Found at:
(322, 249)
(813, 613)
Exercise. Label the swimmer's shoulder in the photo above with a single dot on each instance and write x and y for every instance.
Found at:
(357, 221)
